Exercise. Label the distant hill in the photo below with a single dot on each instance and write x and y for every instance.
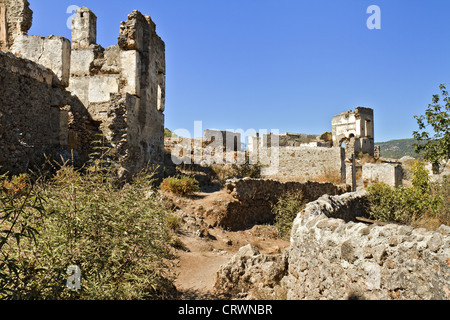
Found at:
(397, 148)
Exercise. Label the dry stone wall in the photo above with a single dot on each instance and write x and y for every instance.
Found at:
(304, 163)
(332, 257)
(390, 174)
(37, 119)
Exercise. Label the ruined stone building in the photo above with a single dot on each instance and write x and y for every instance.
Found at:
(356, 130)
(58, 96)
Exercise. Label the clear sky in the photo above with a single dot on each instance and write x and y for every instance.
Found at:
(289, 65)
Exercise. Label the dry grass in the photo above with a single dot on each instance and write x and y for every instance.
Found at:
(330, 175)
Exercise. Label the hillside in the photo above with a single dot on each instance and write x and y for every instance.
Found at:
(397, 148)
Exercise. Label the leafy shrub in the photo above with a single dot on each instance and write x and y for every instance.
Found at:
(421, 177)
(180, 185)
(406, 205)
(286, 210)
(116, 236)
(441, 190)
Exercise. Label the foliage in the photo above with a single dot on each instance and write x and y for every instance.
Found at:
(180, 185)
(406, 205)
(286, 210)
(421, 177)
(436, 145)
(21, 211)
(441, 190)
(169, 134)
(117, 236)
(247, 170)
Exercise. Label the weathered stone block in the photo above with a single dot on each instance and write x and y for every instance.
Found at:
(131, 71)
(81, 61)
(3, 27)
(101, 87)
(51, 52)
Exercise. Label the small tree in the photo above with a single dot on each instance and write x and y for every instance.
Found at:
(435, 147)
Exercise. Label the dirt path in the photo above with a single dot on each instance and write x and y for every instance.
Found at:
(197, 269)
(207, 248)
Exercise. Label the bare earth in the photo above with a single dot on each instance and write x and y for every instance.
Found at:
(207, 248)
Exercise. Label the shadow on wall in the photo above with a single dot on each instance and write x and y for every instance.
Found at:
(39, 120)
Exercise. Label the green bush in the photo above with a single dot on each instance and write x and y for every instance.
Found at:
(441, 191)
(118, 237)
(180, 185)
(421, 178)
(406, 205)
(286, 210)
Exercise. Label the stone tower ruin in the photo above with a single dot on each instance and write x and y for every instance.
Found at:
(356, 130)
(117, 91)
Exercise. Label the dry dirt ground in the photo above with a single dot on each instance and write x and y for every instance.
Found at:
(206, 247)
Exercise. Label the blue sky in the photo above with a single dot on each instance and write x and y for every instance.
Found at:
(289, 65)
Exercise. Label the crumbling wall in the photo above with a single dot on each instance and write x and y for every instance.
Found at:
(51, 52)
(333, 258)
(249, 271)
(123, 86)
(15, 19)
(356, 129)
(36, 119)
(201, 152)
(304, 163)
(118, 91)
(230, 141)
(390, 174)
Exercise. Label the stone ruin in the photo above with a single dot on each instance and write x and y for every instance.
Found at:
(74, 91)
(333, 256)
(330, 156)
(356, 130)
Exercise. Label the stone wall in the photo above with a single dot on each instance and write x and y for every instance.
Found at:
(51, 52)
(356, 129)
(200, 151)
(330, 258)
(122, 86)
(15, 19)
(390, 174)
(230, 141)
(304, 163)
(254, 199)
(36, 119)
(118, 91)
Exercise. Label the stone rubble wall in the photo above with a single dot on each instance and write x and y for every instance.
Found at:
(390, 174)
(303, 163)
(249, 270)
(36, 118)
(331, 257)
